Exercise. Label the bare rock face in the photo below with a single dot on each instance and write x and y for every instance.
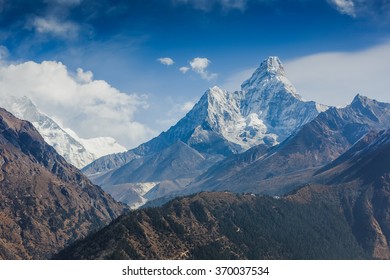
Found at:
(45, 203)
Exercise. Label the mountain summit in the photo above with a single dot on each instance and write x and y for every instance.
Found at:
(264, 112)
(268, 68)
(272, 98)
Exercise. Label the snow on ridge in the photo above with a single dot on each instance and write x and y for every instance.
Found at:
(267, 109)
(74, 149)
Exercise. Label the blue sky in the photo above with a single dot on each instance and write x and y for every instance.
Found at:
(332, 50)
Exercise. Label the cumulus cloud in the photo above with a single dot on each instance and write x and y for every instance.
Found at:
(90, 107)
(199, 65)
(54, 27)
(166, 61)
(335, 78)
(184, 69)
(84, 76)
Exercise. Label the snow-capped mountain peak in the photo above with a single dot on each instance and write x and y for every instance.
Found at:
(74, 149)
(271, 66)
(266, 111)
(98, 146)
(270, 95)
(268, 78)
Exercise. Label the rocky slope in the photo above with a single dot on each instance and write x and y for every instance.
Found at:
(223, 226)
(344, 217)
(45, 202)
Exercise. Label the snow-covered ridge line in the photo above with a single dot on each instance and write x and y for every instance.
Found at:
(266, 110)
(77, 151)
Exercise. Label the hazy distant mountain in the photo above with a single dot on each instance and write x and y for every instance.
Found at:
(74, 149)
(266, 111)
(46, 203)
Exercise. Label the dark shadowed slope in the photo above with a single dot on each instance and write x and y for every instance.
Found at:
(223, 226)
(345, 217)
(45, 202)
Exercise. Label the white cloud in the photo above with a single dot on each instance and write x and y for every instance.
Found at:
(335, 78)
(84, 77)
(90, 107)
(184, 69)
(166, 61)
(344, 6)
(54, 27)
(199, 65)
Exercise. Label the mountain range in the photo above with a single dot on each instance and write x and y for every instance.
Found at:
(255, 173)
(344, 217)
(264, 112)
(290, 164)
